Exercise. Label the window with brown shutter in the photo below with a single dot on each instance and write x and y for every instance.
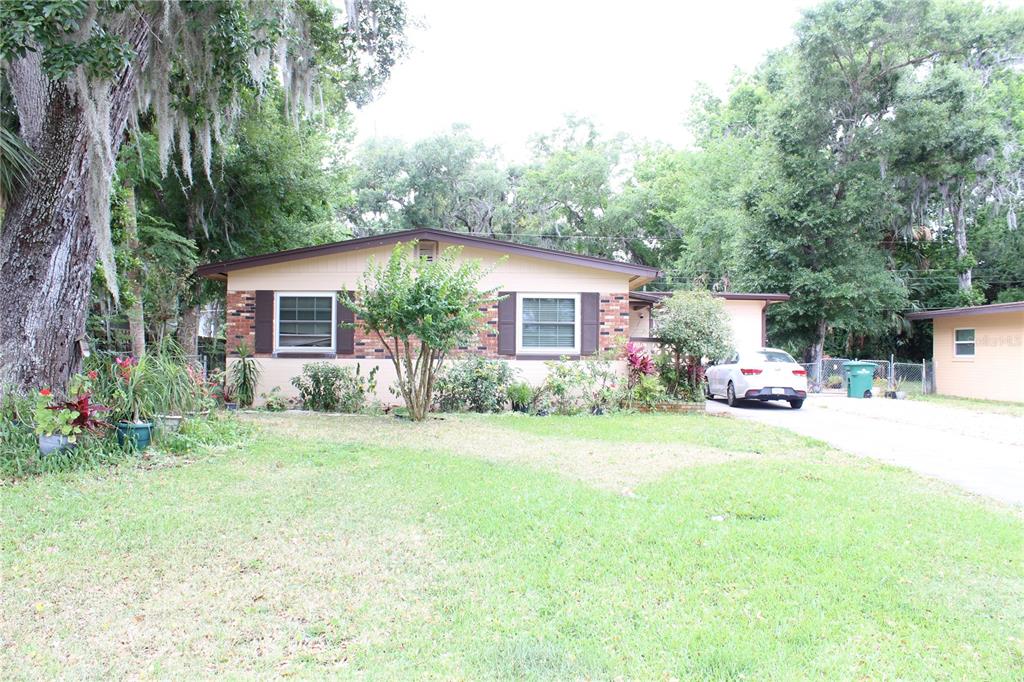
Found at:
(507, 323)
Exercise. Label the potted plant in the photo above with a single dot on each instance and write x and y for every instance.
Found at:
(59, 425)
(133, 401)
(54, 425)
(178, 388)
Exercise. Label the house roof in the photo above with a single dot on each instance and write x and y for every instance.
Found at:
(220, 270)
(990, 309)
(655, 296)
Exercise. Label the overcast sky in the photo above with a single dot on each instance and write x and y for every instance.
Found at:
(511, 69)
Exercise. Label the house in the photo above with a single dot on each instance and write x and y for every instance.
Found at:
(284, 305)
(747, 315)
(978, 351)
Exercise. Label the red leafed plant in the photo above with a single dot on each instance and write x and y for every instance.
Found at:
(86, 419)
(639, 361)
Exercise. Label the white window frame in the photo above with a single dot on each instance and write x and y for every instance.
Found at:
(553, 350)
(333, 295)
(956, 344)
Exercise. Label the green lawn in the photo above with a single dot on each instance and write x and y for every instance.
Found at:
(475, 547)
(975, 404)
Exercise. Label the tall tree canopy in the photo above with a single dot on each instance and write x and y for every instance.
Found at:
(80, 70)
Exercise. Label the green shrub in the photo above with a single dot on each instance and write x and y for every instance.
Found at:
(648, 391)
(575, 386)
(474, 384)
(245, 375)
(520, 396)
(274, 401)
(328, 387)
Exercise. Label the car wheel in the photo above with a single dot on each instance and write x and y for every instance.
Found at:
(730, 395)
(708, 395)
(796, 404)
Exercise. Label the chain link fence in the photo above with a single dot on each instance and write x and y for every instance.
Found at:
(912, 378)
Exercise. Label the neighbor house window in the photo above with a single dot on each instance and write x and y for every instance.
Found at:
(305, 321)
(549, 323)
(963, 343)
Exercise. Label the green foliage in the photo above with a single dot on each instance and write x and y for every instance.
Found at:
(274, 401)
(1010, 295)
(420, 310)
(56, 422)
(161, 382)
(474, 384)
(693, 324)
(575, 386)
(520, 396)
(647, 391)
(245, 376)
(328, 387)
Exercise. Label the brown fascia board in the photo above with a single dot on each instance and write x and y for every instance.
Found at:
(655, 296)
(991, 309)
(220, 270)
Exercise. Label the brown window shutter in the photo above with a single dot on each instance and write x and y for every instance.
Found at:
(346, 335)
(264, 321)
(507, 323)
(590, 316)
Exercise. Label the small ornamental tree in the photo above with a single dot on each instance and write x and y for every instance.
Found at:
(691, 325)
(420, 310)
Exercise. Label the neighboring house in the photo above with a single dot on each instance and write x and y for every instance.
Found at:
(978, 351)
(284, 305)
(747, 315)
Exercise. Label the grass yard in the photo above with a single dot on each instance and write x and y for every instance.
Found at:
(649, 546)
(975, 404)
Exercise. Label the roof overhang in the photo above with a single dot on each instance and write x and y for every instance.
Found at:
(656, 296)
(639, 274)
(991, 309)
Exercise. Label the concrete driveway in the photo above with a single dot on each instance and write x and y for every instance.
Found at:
(980, 452)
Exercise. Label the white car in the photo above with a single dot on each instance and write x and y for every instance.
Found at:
(762, 374)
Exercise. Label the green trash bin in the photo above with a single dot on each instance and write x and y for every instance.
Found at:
(860, 377)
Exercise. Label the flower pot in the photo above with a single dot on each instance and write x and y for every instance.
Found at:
(137, 436)
(169, 422)
(230, 407)
(54, 443)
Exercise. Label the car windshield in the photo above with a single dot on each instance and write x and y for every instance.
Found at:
(776, 356)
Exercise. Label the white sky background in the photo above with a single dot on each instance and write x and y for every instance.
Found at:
(513, 69)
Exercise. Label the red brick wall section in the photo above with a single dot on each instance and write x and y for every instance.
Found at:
(614, 320)
(241, 325)
(614, 327)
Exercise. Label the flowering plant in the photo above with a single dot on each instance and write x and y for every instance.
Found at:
(133, 390)
(68, 418)
(54, 420)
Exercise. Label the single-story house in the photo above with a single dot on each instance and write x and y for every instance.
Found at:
(284, 305)
(978, 351)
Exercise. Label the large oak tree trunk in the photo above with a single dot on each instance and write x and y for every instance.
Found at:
(47, 245)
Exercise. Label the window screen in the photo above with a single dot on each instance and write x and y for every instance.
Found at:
(549, 323)
(963, 345)
(305, 321)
